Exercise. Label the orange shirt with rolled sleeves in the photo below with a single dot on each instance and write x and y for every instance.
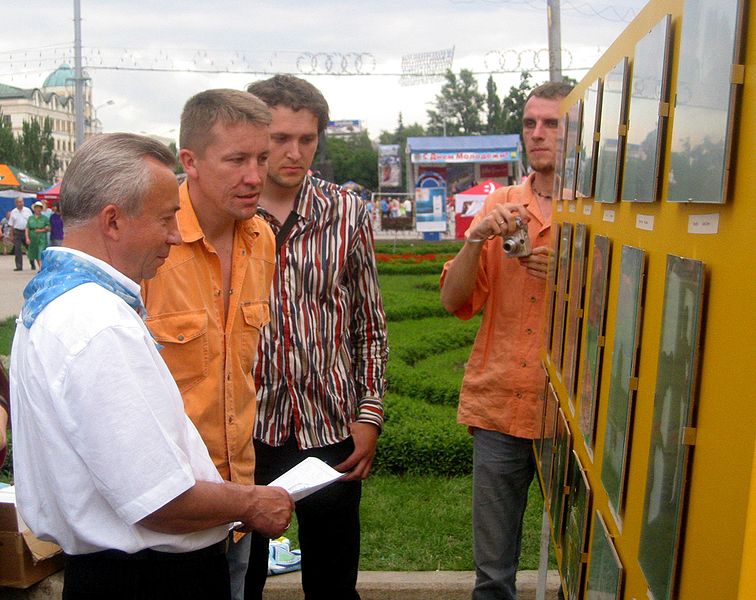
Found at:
(503, 386)
(210, 356)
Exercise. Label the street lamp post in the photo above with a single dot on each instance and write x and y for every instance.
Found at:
(96, 119)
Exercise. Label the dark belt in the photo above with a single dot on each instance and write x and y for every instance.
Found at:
(150, 554)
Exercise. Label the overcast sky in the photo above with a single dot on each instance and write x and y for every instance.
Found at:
(182, 40)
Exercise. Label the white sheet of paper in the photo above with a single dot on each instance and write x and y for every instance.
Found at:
(309, 476)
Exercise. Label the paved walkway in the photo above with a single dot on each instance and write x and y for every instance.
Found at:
(12, 285)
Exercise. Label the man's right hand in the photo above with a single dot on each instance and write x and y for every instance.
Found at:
(270, 511)
(502, 220)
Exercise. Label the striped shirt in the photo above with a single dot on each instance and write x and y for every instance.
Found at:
(321, 362)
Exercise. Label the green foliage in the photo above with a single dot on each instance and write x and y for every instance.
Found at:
(417, 247)
(418, 439)
(513, 105)
(36, 149)
(493, 108)
(459, 106)
(7, 329)
(353, 159)
(8, 146)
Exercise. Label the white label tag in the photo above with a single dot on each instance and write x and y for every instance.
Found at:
(644, 222)
(571, 207)
(559, 207)
(587, 209)
(609, 216)
(706, 224)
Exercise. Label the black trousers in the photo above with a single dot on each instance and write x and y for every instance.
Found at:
(328, 522)
(19, 243)
(148, 575)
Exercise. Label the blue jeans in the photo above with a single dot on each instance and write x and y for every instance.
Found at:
(503, 468)
(238, 559)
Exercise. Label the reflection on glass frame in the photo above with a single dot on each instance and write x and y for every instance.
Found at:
(609, 159)
(571, 159)
(561, 147)
(551, 288)
(589, 131)
(673, 408)
(538, 441)
(547, 440)
(711, 42)
(575, 312)
(563, 276)
(576, 528)
(559, 473)
(646, 119)
(605, 572)
(594, 339)
(627, 317)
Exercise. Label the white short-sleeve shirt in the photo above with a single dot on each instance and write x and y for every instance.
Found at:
(100, 437)
(18, 218)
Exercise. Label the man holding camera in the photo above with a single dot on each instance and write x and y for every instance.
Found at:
(501, 396)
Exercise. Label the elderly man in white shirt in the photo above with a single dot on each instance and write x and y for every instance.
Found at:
(17, 221)
(106, 462)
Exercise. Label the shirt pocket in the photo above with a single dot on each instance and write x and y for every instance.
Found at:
(256, 315)
(184, 338)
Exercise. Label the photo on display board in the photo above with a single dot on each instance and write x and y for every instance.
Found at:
(561, 150)
(574, 117)
(613, 108)
(669, 453)
(589, 134)
(593, 345)
(641, 181)
(706, 100)
(574, 313)
(560, 303)
(559, 475)
(576, 528)
(539, 440)
(547, 441)
(605, 572)
(551, 278)
(627, 319)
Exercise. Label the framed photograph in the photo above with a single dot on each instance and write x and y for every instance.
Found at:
(593, 345)
(666, 481)
(561, 150)
(539, 440)
(613, 110)
(551, 278)
(647, 117)
(560, 302)
(571, 157)
(627, 319)
(576, 528)
(547, 441)
(559, 475)
(711, 46)
(589, 140)
(605, 572)
(574, 313)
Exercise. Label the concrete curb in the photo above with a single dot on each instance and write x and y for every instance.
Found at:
(372, 585)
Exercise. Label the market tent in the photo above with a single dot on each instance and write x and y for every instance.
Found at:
(13, 177)
(50, 194)
(468, 203)
(8, 200)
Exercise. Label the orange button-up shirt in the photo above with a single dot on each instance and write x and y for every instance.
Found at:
(211, 357)
(504, 383)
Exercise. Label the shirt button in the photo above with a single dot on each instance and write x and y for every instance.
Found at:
(519, 394)
(180, 338)
(529, 330)
(541, 234)
(244, 253)
(532, 299)
(523, 364)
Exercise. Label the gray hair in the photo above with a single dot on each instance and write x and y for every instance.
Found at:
(202, 111)
(110, 168)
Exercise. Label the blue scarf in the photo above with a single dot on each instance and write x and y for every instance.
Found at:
(63, 271)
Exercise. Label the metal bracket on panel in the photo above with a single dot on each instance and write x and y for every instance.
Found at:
(664, 109)
(622, 130)
(566, 490)
(737, 75)
(689, 436)
(633, 383)
(579, 313)
(601, 341)
(596, 136)
(584, 557)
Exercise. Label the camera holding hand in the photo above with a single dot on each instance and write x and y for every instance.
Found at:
(517, 244)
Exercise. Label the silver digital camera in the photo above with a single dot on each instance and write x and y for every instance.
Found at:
(518, 243)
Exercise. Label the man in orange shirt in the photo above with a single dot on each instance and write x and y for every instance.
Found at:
(208, 302)
(500, 400)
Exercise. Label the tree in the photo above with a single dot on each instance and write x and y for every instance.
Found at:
(36, 149)
(353, 159)
(513, 105)
(493, 104)
(8, 145)
(458, 107)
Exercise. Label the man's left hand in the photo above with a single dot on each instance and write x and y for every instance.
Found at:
(358, 463)
(538, 262)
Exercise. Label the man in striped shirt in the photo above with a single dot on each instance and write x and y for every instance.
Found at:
(320, 364)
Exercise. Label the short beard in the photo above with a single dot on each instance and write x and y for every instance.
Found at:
(284, 183)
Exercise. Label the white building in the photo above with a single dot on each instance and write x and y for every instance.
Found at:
(55, 99)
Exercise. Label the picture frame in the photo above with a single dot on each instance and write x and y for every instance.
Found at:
(589, 140)
(548, 441)
(577, 516)
(560, 302)
(707, 97)
(674, 399)
(594, 340)
(575, 312)
(611, 145)
(559, 475)
(605, 571)
(551, 278)
(619, 414)
(572, 156)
